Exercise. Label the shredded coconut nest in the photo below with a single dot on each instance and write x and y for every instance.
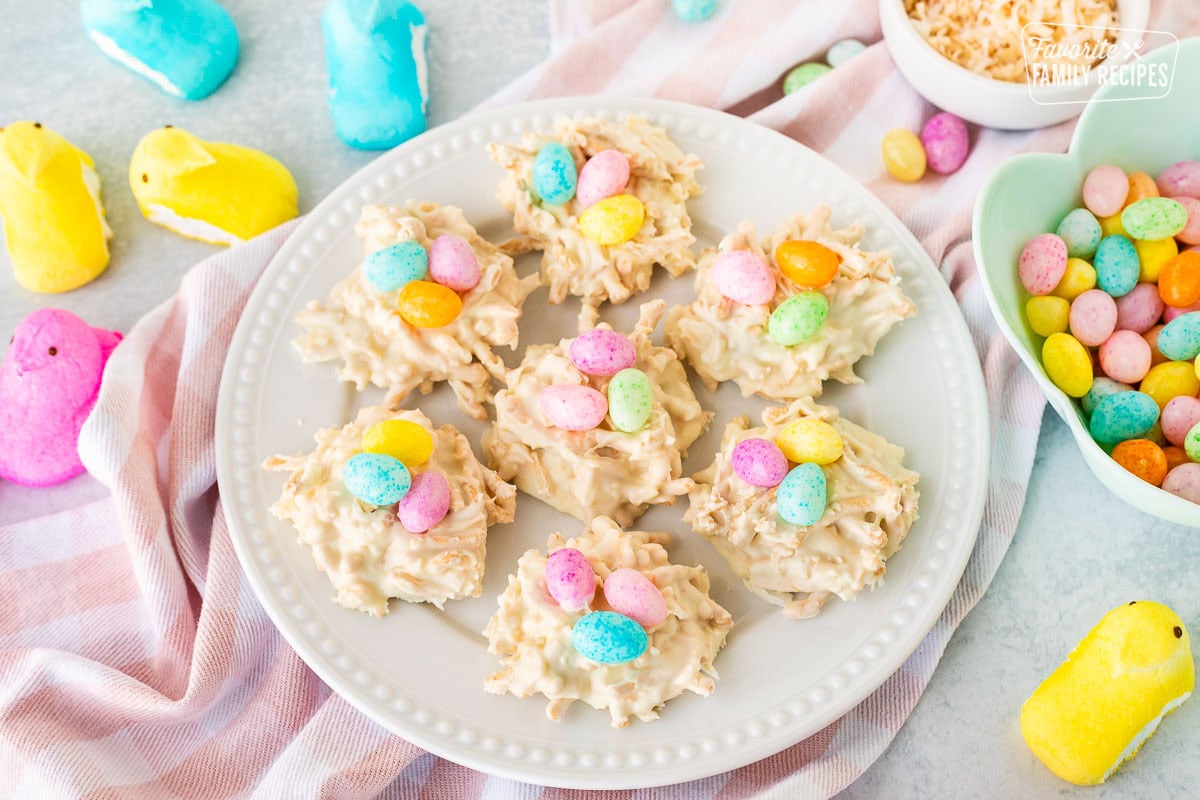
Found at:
(532, 635)
(985, 36)
(603, 471)
(872, 504)
(724, 340)
(661, 175)
(359, 325)
(367, 554)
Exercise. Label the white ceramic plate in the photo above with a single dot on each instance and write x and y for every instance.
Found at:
(420, 672)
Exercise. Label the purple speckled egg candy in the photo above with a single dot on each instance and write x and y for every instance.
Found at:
(743, 277)
(1125, 357)
(603, 175)
(1043, 263)
(1093, 317)
(452, 263)
(573, 407)
(1105, 189)
(1181, 178)
(1178, 417)
(759, 462)
(946, 142)
(602, 352)
(570, 579)
(426, 504)
(631, 593)
(1191, 230)
(1170, 314)
(1184, 481)
(1139, 310)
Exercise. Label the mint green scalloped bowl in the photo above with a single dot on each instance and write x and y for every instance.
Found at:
(1030, 193)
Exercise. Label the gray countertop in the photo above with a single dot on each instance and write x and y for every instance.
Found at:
(1077, 552)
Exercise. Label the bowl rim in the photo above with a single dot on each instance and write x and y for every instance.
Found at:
(1012, 89)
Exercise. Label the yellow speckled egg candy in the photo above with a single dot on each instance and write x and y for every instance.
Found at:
(1067, 364)
(401, 439)
(810, 440)
(613, 220)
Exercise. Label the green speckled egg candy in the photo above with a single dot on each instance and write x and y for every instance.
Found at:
(630, 400)
(1153, 218)
(798, 318)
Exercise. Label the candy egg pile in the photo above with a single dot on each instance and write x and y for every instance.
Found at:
(1118, 303)
(606, 637)
(382, 475)
(802, 494)
(608, 217)
(578, 407)
(428, 281)
(943, 147)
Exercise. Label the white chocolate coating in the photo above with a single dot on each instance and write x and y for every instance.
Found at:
(532, 635)
(358, 324)
(872, 504)
(662, 176)
(603, 471)
(727, 341)
(367, 554)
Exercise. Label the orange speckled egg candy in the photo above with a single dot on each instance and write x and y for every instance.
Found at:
(1143, 458)
(1175, 456)
(1179, 280)
(810, 265)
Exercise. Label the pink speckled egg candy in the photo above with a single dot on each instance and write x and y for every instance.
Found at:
(1184, 481)
(603, 175)
(453, 264)
(573, 408)
(602, 352)
(1181, 178)
(1170, 313)
(631, 593)
(1093, 317)
(1105, 189)
(1178, 417)
(570, 579)
(744, 277)
(1139, 310)
(426, 504)
(1042, 263)
(1191, 230)
(1125, 357)
(759, 462)
(946, 142)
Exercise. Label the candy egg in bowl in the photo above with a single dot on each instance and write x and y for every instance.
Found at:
(1030, 194)
(996, 103)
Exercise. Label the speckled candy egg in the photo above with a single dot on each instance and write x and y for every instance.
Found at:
(1121, 416)
(573, 407)
(392, 267)
(1140, 309)
(695, 10)
(1180, 339)
(759, 462)
(607, 637)
(603, 175)
(427, 502)
(602, 352)
(903, 155)
(946, 142)
(401, 439)
(1116, 265)
(554, 176)
(798, 318)
(1191, 231)
(1184, 481)
(1104, 190)
(810, 439)
(630, 400)
(1093, 317)
(802, 75)
(1042, 264)
(1181, 178)
(1171, 314)
(631, 593)
(452, 263)
(570, 579)
(613, 220)
(1125, 357)
(1154, 218)
(1102, 387)
(744, 277)
(425, 304)
(801, 497)
(1191, 443)
(842, 51)
(1081, 231)
(376, 479)
(1068, 364)
(1179, 416)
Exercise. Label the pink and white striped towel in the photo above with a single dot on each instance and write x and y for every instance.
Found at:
(135, 662)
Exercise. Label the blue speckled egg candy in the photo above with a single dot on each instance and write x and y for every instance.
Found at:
(376, 478)
(1081, 231)
(695, 10)
(801, 498)
(842, 51)
(393, 267)
(1102, 387)
(1179, 340)
(607, 637)
(554, 174)
(1116, 265)
(1122, 416)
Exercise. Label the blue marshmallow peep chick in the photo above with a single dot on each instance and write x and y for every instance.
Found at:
(378, 77)
(186, 47)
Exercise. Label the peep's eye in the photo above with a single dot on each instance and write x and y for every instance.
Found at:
(53, 351)
(145, 178)
(1178, 632)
